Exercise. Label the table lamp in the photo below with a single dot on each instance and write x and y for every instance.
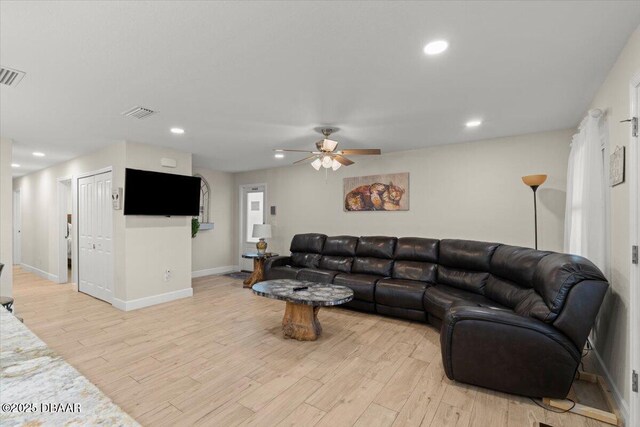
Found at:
(535, 181)
(261, 231)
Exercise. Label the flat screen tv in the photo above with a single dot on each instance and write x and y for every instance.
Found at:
(156, 193)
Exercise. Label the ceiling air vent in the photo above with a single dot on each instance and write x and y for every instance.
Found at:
(10, 77)
(138, 112)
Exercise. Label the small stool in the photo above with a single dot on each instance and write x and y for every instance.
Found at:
(7, 302)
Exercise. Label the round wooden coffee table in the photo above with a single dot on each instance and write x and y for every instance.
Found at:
(304, 300)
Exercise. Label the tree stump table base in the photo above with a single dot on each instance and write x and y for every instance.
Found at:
(304, 299)
(257, 275)
(301, 322)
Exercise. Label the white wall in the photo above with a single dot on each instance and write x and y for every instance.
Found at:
(40, 223)
(212, 249)
(156, 244)
(6, 217)
(144, 247)
(470, 191)
(611, 332)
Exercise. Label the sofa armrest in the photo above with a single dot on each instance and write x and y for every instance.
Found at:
(501, 350)
(276, 261)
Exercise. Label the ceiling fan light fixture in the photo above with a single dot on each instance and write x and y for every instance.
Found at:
(317, 163)
(329, 144)
(335, 165)
(327, 162)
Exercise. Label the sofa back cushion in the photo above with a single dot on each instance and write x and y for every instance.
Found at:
(308, 242)
(338, 253)
(464, 264)
(511, 274)
(555, 276)
(416, 259)
(306, 249)
(368, 265)
(374, 255)
(376, 247)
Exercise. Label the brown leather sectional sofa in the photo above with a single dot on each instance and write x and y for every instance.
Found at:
(512, 319)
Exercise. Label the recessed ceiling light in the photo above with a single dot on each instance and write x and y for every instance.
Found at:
(279, 155)
(177, 131)
(15, 165)
(473, 123)
(38, 154)
(436, 47)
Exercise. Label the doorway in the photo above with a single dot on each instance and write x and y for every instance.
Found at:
(252, 211)
(95, 235)
(634, 228)
(66, 235)
(17, 228)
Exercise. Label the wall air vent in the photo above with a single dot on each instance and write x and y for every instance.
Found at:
(10, 77)
(139, 112)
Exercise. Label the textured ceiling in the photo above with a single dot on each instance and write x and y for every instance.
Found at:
(243, 78)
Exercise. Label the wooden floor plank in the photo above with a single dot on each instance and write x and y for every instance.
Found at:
(219, 358)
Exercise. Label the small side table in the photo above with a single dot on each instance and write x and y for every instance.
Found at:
(7, 302)
(258, 267)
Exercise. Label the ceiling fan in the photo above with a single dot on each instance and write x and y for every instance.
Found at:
(326, 155)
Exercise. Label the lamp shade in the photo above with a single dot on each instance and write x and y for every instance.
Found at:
(534, 180)
(261, 231)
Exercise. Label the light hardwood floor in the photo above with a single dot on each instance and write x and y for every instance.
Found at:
(219, 359)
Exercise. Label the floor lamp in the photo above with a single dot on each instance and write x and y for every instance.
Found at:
(535, 181)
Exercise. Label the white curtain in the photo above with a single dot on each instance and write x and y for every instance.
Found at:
(585, 215)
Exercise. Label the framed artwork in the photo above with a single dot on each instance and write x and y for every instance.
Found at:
(616, 167)
(388, 192)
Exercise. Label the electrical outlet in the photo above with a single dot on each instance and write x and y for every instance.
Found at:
(167, 275)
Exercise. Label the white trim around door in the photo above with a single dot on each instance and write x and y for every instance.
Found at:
(241, 211)
(634, 236)
(65, 191)
(17, 228)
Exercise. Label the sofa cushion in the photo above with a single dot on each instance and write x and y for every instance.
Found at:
(337, 263)
(556, 274)
(309, 242)
(414, 270)
(403, 313)
(516, 264)
(400, 293)
(340, 246)
(377, 266)
(363, 285)
(303, 259)
(415, 259)
(316, 275)
(471, 281)
(282, 272)
(417, 249)
(464, 264)
(376, 247)
(466, 254)
(437, 299)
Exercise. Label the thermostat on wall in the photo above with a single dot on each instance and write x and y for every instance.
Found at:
(116, 198)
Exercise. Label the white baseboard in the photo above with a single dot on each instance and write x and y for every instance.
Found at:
(216, 270)
(623, 405)
(152, 300)
(41, 273)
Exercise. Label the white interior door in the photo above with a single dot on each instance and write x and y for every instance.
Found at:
(95, 239)
(252, 201)
(17, 228)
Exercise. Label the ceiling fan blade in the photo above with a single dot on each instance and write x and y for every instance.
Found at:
(360, 151)
(305, 159)
(279, 150)
(343, 160)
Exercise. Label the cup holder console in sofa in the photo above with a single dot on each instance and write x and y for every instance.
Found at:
(511, 319)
